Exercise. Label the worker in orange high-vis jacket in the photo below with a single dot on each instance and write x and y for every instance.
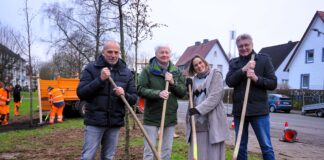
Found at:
(4, 103)
(57, 100)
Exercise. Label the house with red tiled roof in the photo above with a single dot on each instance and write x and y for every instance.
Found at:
(211, 50)
(306, 64)
(280, 54)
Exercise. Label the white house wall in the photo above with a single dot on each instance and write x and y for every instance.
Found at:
(315, 69)
(280, 73)
(217, 59)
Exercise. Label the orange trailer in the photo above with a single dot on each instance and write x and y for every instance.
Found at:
(69, 86)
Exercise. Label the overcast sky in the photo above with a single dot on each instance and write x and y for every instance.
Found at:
(269, 22)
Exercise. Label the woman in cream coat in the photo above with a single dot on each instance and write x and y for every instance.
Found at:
(211, 123)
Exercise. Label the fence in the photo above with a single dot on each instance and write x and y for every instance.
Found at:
(302, 97)
(299, 97)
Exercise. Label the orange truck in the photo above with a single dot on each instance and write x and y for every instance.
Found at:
(69, 86)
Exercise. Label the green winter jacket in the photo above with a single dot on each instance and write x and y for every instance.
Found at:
(150, 83)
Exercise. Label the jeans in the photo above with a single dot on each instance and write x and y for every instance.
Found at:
(152, 132)
(261, 127)
(93, 136)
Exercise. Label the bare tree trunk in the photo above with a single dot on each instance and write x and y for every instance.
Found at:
(119, 4)
(122, 49)
(136, 47)
(98, 16)
(121, 29)
(28, 30)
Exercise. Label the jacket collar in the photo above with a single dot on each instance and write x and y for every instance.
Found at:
(156, 69)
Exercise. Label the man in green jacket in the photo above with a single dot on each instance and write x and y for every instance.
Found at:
(151, 87)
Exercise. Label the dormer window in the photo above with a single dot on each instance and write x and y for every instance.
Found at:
(215, 53)
(309, 56)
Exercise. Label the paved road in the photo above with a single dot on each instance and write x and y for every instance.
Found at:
(310, 134)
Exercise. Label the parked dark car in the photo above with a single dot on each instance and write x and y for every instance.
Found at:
(279, 102)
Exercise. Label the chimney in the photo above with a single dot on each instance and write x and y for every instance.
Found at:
(205, 41)
(197, 43)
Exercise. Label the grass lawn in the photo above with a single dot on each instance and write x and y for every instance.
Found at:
(25, 107)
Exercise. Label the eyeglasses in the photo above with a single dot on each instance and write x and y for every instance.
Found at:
(110, 52)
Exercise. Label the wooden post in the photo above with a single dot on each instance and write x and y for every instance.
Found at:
(162, 121)
(239, 135)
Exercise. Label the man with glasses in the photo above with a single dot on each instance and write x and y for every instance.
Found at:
(261, 72)
(104, 113)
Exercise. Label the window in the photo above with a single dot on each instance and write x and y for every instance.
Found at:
(322, 54)
(211, 65)
(220, 68)
(304, 81)
(310, 56)
(215, 53)
(284, 81)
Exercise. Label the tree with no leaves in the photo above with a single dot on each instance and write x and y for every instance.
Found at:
(138, 25)
(11, 51)
(88, 19)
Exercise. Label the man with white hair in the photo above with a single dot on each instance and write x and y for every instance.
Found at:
(151, 87)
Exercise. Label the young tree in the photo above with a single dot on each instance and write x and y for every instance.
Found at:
(28, 21)
(138, 25)
(120, 4)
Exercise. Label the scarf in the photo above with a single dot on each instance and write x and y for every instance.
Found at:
(156, 68)
(203, 74)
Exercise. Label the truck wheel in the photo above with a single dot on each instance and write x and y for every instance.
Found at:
(272, 109)
(319, 113)
(82, 108)
(287, 111)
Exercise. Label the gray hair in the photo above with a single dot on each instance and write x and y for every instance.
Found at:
(242, 37)
(110, 41)
(157, 48)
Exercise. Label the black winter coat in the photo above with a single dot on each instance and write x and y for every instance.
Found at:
(257, 101)
(104, 108)
(16, 93)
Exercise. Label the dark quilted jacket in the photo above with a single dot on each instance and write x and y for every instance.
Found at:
(104, 108)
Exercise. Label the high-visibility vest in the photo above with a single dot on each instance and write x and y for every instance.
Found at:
(56, 95)
(4, 97)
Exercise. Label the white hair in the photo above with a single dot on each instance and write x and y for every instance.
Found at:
(156, 49)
